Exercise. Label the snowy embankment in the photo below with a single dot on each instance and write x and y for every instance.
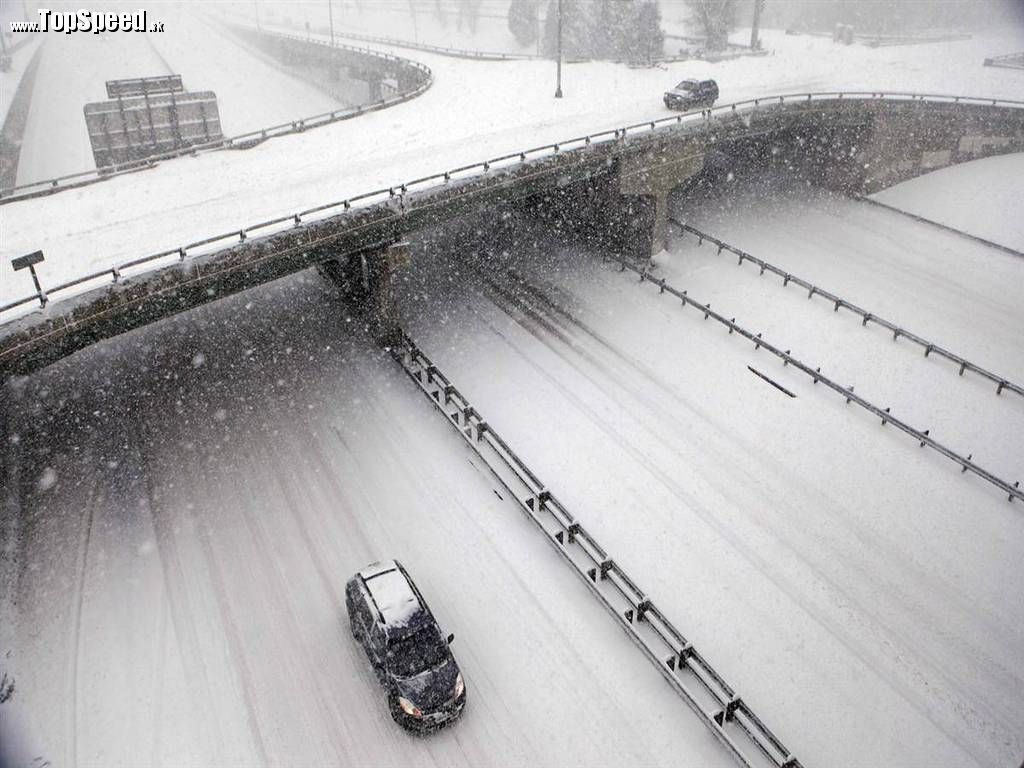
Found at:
(983, 198)
(435, 24)
(474, 110)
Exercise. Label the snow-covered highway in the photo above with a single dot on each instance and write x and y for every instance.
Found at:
(198, 491)
(884, 595)
(182, 504)
(190, 538)
(73, 69)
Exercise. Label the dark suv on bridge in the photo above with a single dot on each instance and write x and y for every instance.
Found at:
(411, 658)
(690, 94)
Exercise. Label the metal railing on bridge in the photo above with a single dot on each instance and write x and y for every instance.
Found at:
(440, 50)
(703, 119)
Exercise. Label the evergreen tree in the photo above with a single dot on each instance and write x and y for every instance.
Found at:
(522, 21)
(469, 14)
(576, 30)
(715, 18)
(614, 29)
(648, 40)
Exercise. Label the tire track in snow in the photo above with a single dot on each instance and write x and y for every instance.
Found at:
(240, 667)
(276, 580)
(176, 597)
(74, 646)
(181, 614)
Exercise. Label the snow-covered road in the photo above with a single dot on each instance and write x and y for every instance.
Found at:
(198, 494)
(859, 592)
(473, 111)
(73, 70)
(198, 491)
(252, 92)
(957, 293)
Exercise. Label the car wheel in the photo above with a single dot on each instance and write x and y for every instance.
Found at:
(396, 711)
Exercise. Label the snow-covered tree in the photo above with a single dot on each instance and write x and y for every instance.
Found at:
(647, 41)
(522, 20)
(715, 18)
(576, 30)
(440, 14)
(469, 14)
(613, 28)
(621, 30)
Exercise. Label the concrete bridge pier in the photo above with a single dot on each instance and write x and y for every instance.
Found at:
(366, 278)
(379, 268)
(651, 175)
(624, 210)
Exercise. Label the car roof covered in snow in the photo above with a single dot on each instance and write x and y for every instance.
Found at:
(394, 596)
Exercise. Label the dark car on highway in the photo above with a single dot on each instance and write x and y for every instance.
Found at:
(410, 656)
(690, 94)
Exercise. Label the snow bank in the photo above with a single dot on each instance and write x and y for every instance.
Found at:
(983, 198)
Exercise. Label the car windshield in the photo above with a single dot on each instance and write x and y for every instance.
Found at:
(687, 85)
(415, 653)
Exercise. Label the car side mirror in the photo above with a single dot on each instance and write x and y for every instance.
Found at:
(451, 638)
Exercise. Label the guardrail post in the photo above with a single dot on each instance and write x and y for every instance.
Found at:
(536, 503)
(601, 571)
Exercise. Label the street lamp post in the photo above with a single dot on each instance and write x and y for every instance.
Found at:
(558, 87)
(256, 8)
(755, 25)
(330, 17)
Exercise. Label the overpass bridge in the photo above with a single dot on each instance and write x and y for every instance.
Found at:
(611, 187)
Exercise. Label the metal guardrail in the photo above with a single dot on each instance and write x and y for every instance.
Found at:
(898, 332)
(939, 224)
(476, 55)
(243, 140)
(705, 118)
(704, 690)
(923, 438)
(1009, 61)
(458, 53)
